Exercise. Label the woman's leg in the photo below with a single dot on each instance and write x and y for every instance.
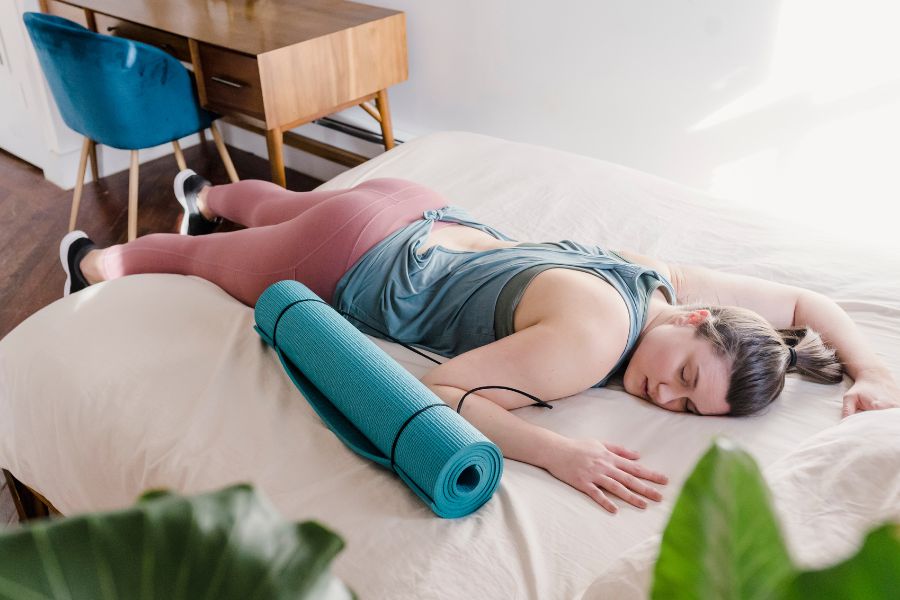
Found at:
(255, 203)
(316, 247)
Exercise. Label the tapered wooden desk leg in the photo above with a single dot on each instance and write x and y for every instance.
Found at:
(133, 197)
(223, 153)
(179, 157)
(384, 109)
(95, 166)
(275, 143)
(79, 182)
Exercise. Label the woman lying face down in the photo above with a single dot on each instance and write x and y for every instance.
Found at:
(722, 361)
(401, 257)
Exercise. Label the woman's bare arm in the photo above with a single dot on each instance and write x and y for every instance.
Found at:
(783, 306)
(550, 360)
(774, 301)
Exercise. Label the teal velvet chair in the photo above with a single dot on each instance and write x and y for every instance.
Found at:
(118, 92)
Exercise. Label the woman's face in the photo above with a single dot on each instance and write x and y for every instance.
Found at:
(678, 371)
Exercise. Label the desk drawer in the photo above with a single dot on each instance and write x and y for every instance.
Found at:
(67, 11)
(175, 45)
(231, 81)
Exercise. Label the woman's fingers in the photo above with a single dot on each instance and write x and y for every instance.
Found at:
(642, 472)
(613, 486)
(599, 497)
(636, 485)
(623, 452)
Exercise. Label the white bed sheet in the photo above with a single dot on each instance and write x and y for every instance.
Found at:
(160, 381)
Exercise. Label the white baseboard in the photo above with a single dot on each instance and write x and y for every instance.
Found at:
(309, 164)
(61, 169)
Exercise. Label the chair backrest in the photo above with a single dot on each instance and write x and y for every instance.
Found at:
(118, 92)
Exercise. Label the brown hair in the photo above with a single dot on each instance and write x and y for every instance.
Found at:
(760, 355)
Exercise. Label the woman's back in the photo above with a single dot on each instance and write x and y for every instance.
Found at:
(462, 291)
(455, 236)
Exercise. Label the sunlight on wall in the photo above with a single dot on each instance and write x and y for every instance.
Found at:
(834, 82)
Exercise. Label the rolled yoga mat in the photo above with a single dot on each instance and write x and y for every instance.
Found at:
(375, 406)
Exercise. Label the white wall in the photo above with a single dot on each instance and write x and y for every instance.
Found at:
(20, 115)
(792, 105)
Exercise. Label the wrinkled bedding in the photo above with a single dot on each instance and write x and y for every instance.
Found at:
(160, 381)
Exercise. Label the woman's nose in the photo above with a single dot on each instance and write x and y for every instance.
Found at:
(667, 393)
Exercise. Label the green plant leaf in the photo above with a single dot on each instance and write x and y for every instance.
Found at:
(722, 540)
(227, 544)
(873, 573)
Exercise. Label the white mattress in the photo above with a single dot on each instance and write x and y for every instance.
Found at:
(160, 381)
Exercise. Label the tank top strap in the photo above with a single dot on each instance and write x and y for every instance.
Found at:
(457, 214)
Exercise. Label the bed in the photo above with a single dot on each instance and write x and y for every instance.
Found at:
(160, 381)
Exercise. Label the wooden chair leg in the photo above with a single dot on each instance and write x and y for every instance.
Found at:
(79, 182)
(223, 153)
(133, 196)
(372, 112)
(95, 166)
(275, 144)
(179, 157)
(384, 109)
(202, 134)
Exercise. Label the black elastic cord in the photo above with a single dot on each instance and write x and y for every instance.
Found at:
(408, 421)
(392, 338)
(537, 400)
(281, 314)
(346, 314)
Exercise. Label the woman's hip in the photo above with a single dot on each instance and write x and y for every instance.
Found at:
(338, 232)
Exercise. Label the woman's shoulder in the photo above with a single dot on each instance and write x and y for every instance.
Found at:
(576, 295)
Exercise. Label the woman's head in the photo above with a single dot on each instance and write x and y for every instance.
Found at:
(722, 360)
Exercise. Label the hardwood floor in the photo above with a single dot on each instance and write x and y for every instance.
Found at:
(34, 216)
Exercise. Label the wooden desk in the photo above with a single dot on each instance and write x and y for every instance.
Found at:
(270, 64)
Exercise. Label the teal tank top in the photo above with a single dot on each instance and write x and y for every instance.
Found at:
(451, 301)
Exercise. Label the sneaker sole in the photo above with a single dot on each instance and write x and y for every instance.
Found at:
(64, 245)
(178, 185)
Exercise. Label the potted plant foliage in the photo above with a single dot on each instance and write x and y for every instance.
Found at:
(227, 544)
(723, 541)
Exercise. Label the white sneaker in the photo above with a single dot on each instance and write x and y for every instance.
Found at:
(72, 249)
(187, 188)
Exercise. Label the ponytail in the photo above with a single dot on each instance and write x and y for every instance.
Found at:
(814, 359)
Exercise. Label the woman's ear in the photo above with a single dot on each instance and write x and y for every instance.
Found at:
(695, 317)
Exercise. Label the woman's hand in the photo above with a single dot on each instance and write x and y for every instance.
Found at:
(872, 392)
(589, 465)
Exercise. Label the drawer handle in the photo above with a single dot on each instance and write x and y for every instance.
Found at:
(228, 82)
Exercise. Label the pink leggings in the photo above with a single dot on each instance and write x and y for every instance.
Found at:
(312, 237)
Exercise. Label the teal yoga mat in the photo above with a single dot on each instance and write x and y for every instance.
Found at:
(375, 406)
